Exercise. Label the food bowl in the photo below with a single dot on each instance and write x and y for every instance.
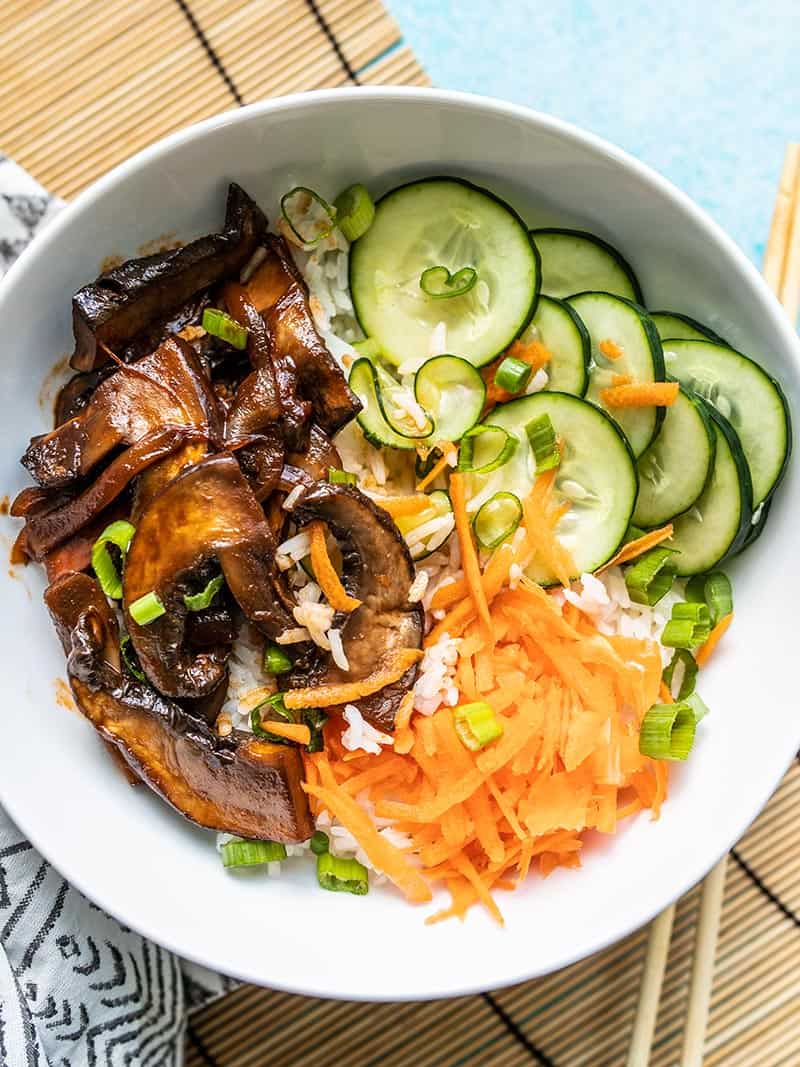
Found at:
(129, 852)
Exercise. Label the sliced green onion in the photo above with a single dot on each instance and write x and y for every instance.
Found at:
(689, 626)
(302, 193)
(667, 731)
(544, 443)
(341, 875)
(319, 843)
(477, 725)
(279, 710)
(497, 519)
(698, 706)
(130, 659)
(314, 719)
(146, 609)
(679, 633)
(684, 663)
(696, 589)
(423, 465)
(698, 613)
(117, 533)
(252, 853)
(202, 600)
(439, 284)
(718, 596)
(340, 477)
(276, 661)
(355, 211)
(506, 445)
(369, 348)
(651, 577)
(219, 324)
(513, 375)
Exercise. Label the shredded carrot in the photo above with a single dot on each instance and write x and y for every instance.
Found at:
(610, 349)
(665, 694)
(439, 467)
(292, 731)
(621, 379)
(399, 506)
(540, 530)
(469, 554)
(638, 547)
(534, 353)
(326, 696)
(325, 574)
(640, 394)
(713, 639)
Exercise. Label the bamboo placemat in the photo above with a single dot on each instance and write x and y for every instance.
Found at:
(83, 85)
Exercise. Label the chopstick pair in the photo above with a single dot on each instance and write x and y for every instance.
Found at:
(782, 273)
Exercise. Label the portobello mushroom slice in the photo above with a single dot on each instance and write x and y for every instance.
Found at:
(126, 301)
(236, 784)
(210, 512)
(318, 458)
(376, 569)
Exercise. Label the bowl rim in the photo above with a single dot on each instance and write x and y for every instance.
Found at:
(491, 107)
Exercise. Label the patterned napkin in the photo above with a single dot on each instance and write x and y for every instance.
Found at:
(77, 989)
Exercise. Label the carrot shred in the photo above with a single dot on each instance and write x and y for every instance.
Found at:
(292, 731)
(469, 554)
(713, 639)
(621, 379)
(325, 696)
(638, 547)
(439, 467)
(610, 349)
(640, 394)
(399, 506)
(534, 353)
(325, 574)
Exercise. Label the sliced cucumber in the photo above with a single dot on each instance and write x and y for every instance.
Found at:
(718, 524)
(453, 392)
(450, 223)
(558, 326)
(675, 469)
(424, 533)
(364, 383)
(671, 324)
(574, 261)
(610, 318)
(745, 395)
(597, 474)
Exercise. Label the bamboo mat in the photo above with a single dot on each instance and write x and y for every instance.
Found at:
(83, 85)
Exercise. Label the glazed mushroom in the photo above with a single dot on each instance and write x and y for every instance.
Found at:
(129, 300)
(210, 512)
(236, 784)
(318, 458)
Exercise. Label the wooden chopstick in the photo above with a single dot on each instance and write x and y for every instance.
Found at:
(782, 273)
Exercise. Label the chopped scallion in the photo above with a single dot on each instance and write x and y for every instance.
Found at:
(296, 202)
(220, 325)
(496, 446)
(202, 600)
(146, 609)
(276, 661)
(688, 627)
(319, 843)
(340, 477)
(651, 577)
(544, 443)
(117, 533)
(477, 725)
(680, 674)
(667, 731)
(497, 519)
(314, 719)
(278, 710)
(698, 706)
(252, 853)
(341, 875)
(714, 590)
(355, 211)
(439, 284)
(513, 374)
(130, 659)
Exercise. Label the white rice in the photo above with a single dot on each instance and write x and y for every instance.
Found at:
(359, 735)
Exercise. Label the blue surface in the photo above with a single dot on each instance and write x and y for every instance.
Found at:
(708, 93)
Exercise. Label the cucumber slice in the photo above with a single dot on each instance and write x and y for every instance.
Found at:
(744, 394)
(718, 524)
(558, 326)
(364, 383)
(671, 324)
(453, 392)
(675, 469)
(574, 261)
(597, 474)
(609, 317)
(451, 223)
(424, 533)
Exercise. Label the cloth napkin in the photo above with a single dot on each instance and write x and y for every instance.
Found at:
(77, 988)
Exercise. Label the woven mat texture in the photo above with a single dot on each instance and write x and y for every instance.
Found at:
(83, 85)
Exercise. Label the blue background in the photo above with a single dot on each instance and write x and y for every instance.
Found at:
(705, 91)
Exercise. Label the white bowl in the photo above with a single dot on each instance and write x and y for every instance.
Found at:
(128, 851)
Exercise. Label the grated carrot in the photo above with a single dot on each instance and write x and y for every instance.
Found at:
(325, 573)
(439, 467)
(326, 696)
(640, 394)
(292, 731)
(469, 554)
(534, 353)
(621, 379)
(610, 349)
(638, 547)
(399, 506)
(713, 639)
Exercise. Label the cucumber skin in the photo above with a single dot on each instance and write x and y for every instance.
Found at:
(503, 203)
(623, 264)
(699, 326)
(586, 341)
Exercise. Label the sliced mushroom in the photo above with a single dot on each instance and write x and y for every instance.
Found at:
(128, 300)
(318, 458)
(236, 784)
(210, 512)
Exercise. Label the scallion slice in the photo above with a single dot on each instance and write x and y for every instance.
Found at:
(276, 661)
(688, 627)
(319, 843)
(513, 374)
(718, 596)
(117, 533)
(252, 853)
(680, 674)
(698, 706)
(314, 719)
(220, 325)
(340, 477)
(477, 724)
(146, 609)
(295, 203)
(497, 519)
(544, 443)
(130, 659)
(341, 875)
(202, 600)
(489, 458)
(278, 710)
(651, 577)
(355, 211)
(439, 284)
(667, 731)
